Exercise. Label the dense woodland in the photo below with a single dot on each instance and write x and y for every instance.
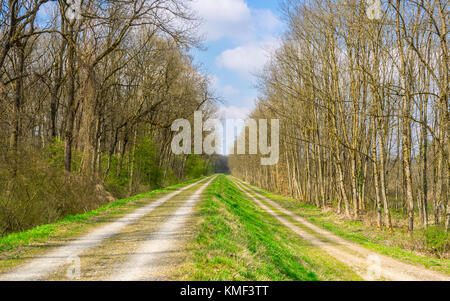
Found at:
(87, 98)
(364, 112)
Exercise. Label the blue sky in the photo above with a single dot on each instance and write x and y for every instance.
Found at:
(239, 36)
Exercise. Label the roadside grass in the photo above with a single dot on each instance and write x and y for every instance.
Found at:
(238, 241)
(356, 231)
(14, 245)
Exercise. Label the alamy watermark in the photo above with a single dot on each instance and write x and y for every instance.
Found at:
(73, 272)
(258, 136)
(373, 271)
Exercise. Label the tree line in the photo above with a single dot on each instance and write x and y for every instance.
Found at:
(88, 92)
(364, 110)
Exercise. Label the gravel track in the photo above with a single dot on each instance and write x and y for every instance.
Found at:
(42, 266)
(367, 264)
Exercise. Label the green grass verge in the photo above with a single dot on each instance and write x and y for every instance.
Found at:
(71, 224)
(238, 241)
(356, 231)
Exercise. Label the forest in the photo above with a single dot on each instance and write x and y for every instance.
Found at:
(225, 140)
(87, 99)
(364, 113)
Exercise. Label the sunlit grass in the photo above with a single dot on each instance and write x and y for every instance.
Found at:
(380, 241)
(239, 241)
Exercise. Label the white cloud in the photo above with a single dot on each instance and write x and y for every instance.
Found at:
(233, 112)
(246, 37)
(266, 20)
(249, 58)
(234, 19)
(224, 18)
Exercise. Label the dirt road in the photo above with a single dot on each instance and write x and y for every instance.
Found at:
(145, 263)
(367, 264)
(125, 248)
